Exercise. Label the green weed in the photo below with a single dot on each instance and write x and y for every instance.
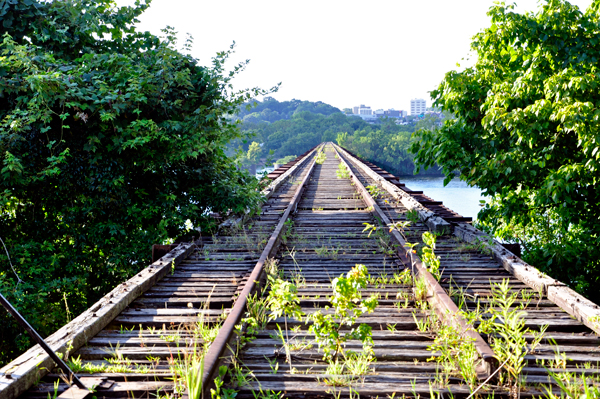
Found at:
(342, 172)
(430, 260)
(348, 305)
(412, 216)
(321, 157)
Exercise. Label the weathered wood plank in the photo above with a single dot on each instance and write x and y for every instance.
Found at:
(584, 310)
(20, 374)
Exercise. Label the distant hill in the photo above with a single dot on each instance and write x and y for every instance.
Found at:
(293, 127)
(271, 110)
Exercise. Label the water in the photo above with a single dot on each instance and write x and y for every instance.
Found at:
(457, 195)
(260, 171)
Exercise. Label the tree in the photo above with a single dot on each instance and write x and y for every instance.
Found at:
(304, 124)
(525, 130)
(110, 141)
(429, 122)
(387, 146)
(254, 152)
(252, 157)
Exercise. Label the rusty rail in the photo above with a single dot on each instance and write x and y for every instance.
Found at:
(217, 348)
(439, 300)
(23, 372)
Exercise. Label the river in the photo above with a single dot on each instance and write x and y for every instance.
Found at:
(457, 195)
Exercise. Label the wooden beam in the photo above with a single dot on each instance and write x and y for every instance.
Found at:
(584, 310)
(20, 374)
(271, 188)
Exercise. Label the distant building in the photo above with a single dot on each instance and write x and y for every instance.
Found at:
(356, 110)
(417, 106)
(390, 113)
(364, 110)
(369, 115)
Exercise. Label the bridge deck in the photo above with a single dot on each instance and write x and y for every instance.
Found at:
(139, 352)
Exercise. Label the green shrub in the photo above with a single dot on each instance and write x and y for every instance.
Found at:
(111, 140)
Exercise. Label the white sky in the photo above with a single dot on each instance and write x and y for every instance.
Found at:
(380, 53)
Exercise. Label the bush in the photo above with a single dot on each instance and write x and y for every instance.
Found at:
(107, 146)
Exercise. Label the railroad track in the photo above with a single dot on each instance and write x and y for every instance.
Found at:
(133, 355)
(312, 230)
(327, 240)
(471, 272)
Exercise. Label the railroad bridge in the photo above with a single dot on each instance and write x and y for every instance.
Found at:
(325, 213)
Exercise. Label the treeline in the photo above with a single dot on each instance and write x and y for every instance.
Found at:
(383, 146)
(293, 127)
(271, 110)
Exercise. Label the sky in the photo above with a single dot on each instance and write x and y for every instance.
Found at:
(380, 53)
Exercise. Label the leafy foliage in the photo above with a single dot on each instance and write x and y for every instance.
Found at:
(503, 320)
(110, 140)
(428, 256)
(526, 131)
(348, 306)
(300, 133)
(456, 353)
(283, 299)
(388, 144)
(271, 110)
(507, 330)
(253, 155)
(321, 157)
(293, 127)
(286, 159)
(342, 172)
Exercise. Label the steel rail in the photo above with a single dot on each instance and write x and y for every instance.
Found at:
(437, 296)
(218, 346)
(271, 188)
(432, 221)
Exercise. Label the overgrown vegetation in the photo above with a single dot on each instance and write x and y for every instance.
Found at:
(111, 140)
(186, 362)
(526, 132)
(348, 305)
(329, 330)
(501, 317)
(342, 172)
(427, 254)
(503, 322)
(321, 157)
